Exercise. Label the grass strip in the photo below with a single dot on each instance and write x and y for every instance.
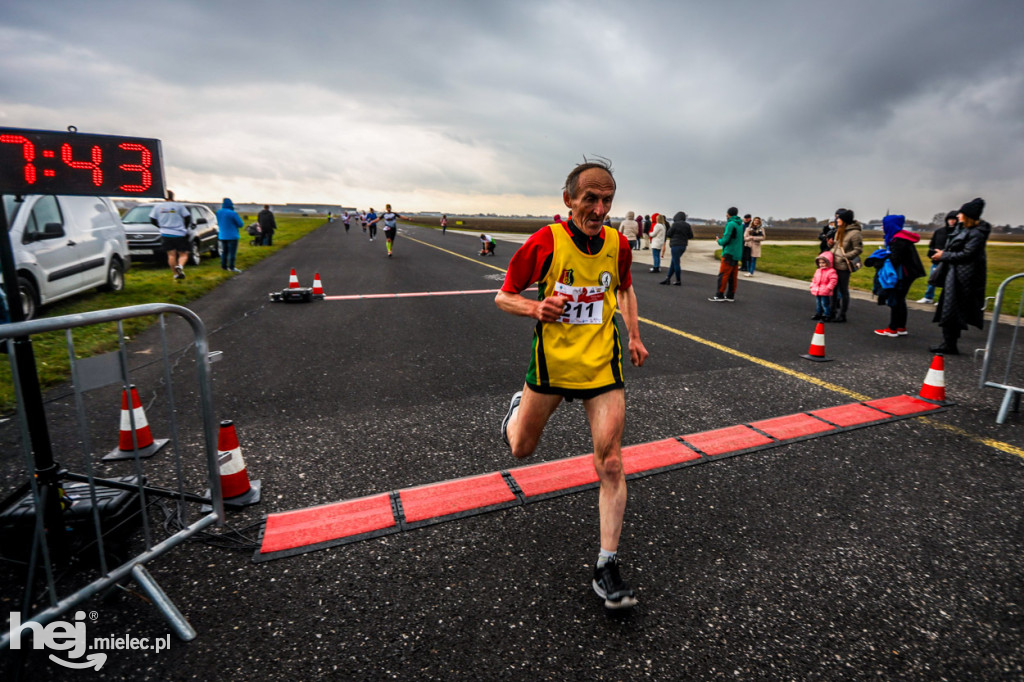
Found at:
(145, 282)
(797, 262)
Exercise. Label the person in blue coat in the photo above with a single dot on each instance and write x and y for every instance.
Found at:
(228, 225)
(905, 267)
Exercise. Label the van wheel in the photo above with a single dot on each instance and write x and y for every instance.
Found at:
(194, 256)
(115, 276)
(29, 297)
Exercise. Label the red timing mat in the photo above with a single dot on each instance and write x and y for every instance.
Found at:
(730, 439)
(288, 530)
(792, 426)
(850, 415)
(902, 405)
(302, 530)
(452, 497)
(656, 455)
(562, 474)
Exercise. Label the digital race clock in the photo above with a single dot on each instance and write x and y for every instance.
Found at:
(49, 162)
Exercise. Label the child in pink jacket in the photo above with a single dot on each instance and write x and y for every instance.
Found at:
(824, 282)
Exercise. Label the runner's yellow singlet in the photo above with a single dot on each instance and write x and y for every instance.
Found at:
(581, 350)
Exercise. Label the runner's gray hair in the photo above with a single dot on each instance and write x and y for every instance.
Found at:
(572, 182)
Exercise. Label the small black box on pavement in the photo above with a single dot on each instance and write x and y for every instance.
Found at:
(293, 295)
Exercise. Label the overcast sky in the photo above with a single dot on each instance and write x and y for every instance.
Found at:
(781, 108)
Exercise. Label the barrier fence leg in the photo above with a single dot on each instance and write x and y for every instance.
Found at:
(1010, 396)
(181, 627)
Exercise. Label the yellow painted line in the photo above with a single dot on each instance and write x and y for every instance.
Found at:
(452, 253)
(988, 442)
(758, 361)
(992, 443)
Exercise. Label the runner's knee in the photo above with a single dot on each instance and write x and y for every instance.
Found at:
(609, 466)
(523, 447)
(520, 452)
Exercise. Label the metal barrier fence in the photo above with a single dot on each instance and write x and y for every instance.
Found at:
(82, 553)
(993, 347)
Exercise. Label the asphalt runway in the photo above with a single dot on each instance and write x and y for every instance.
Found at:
(889, 552)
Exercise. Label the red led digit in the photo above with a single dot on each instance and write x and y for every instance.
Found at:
(28, 151)
(94, 164)
(146, 159)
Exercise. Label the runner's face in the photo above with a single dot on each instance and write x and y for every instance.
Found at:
(593, 200)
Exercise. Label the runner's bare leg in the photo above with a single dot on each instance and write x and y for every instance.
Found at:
(607, 416)
(526, 425)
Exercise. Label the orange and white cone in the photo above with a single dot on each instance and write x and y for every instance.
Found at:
(235, 486)
(817, 349)
(318, 287)
(293, 280)
(934, 387)
(143, 443)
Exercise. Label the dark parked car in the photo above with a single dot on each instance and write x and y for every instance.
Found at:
(144, 237)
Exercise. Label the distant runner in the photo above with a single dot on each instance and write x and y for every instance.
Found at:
(371, 223)
(487, 245)
(390, 219)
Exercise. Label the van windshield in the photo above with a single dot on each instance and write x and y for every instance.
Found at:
(11, 209)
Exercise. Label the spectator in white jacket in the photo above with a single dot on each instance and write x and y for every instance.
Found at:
(630, 229)
(658, 242)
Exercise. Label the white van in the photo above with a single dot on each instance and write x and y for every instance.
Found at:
(64, 245)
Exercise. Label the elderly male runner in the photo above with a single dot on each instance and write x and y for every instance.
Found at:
(582, 269)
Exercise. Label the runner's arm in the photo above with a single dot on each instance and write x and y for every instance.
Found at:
(529, 265)
(627, 306)
(548, 310)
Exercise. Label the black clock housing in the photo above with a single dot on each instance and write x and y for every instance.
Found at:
(52, 162)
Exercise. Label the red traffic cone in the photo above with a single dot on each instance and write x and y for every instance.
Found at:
(318, 287)
(143, 443)
(934, 387)
(293, 280)
(235, 486)
(817, 349)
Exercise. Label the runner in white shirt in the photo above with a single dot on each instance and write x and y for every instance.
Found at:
(390, 219)
(486, 245)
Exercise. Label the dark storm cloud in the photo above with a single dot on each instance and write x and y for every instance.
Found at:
(785, 107)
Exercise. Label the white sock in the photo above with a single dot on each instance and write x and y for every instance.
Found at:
(604, 557)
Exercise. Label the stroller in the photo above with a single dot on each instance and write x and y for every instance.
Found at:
(256, 233)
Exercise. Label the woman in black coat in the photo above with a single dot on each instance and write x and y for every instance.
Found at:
(963, 295)
(678, 237)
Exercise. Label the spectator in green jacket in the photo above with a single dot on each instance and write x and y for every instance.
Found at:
(731, 242)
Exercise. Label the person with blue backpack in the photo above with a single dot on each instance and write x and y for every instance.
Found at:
(898, 265)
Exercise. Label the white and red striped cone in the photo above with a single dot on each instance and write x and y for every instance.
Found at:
(817, 350)
(142, 444)
(934, 387)
(235, 486)
(318, 287)
(293, 280)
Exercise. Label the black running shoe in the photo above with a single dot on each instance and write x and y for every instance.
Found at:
(513, 404)
(609, 586)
